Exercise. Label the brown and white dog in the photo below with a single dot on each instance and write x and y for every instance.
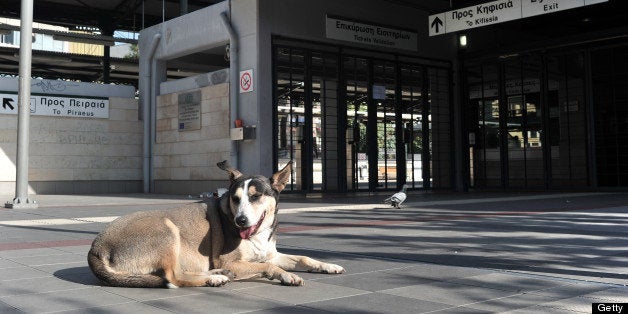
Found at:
(203, 244)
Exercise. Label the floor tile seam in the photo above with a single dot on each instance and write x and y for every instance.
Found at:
(363, 292)
(115, 204)
(455, 282)
(544, 305)
(44, 245)
(550, 278)
(97, 307)
(9, 305)
(56, 221)
(451, 307)
(55, 251)
(366, 272)
(83, 287)
(510, 294)
(53, 264)
(446, 216)
(107, 290)
(559, 307)
(572, 280)
(602, 299)
(470, 305)
(390, 259)
(298, 306)
(562, 309)
(443, 202)
(47, 275)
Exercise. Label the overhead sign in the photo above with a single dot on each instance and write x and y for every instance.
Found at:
(49, 105)
(370, 34)
(246, 81)
(497, 12)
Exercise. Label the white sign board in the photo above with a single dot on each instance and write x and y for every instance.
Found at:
(497, 12)
(370, 34)
(58, 106)
(246, 81)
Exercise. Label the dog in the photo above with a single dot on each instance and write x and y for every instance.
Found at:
(203, 244)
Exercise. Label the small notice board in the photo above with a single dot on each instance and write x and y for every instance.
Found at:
(190, 111)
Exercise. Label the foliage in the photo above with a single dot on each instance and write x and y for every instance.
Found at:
(134, 53)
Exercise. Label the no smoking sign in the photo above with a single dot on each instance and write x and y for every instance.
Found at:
(246, 81)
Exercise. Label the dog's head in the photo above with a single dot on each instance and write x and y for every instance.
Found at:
(253, 199)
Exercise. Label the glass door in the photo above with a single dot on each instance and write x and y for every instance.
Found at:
(523, 123)
(357, 99)
(359, 123)
(484, 123)
(306, 115)
(324, 121)
(386, 124)
(415, 124)
(291, 111)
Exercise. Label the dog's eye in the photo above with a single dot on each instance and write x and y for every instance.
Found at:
(255, 197)
(235, 199)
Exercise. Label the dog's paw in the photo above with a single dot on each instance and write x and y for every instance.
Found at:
(217, 280)
(221, 271)
(331, 269)
(290, 279)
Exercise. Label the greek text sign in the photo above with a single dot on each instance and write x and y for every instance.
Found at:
(370, 34)
(497, 12)
(59, 106)
(190, 111)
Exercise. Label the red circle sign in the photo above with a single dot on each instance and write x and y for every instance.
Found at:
(246, 81)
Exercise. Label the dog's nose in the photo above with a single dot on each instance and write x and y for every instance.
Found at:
(241, 221)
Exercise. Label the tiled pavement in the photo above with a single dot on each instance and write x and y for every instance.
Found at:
(440, 253)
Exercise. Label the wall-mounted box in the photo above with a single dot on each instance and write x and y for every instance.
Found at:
(243, 133)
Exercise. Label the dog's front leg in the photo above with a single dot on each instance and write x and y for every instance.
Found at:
(246, 270)
(304, 263)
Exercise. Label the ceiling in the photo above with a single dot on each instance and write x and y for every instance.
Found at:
(127, 15)
(134, 15)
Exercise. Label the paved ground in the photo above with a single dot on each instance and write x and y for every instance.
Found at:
(440, 253)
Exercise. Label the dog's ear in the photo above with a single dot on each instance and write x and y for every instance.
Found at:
(233, 173)
(281, 177)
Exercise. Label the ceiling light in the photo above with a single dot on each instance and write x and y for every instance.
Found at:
(462, 41)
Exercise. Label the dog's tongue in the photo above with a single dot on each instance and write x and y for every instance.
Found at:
(248, 232)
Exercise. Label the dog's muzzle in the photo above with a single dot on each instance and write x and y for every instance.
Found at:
(247, 232)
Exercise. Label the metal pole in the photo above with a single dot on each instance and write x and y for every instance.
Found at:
(146, 92)
(234, 83)
(24, 94)
(183, 7)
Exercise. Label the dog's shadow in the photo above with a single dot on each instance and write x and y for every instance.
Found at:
(80, 275)
(84, 276)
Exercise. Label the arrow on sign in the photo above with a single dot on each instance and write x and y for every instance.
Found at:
(7, 102)
(436, 23)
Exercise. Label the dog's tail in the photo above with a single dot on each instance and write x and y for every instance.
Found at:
(100, 267)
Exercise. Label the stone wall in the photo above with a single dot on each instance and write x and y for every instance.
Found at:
(185, 160)
(71, 155)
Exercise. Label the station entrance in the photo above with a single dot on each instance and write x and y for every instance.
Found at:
(548, 119)
(353, 121)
